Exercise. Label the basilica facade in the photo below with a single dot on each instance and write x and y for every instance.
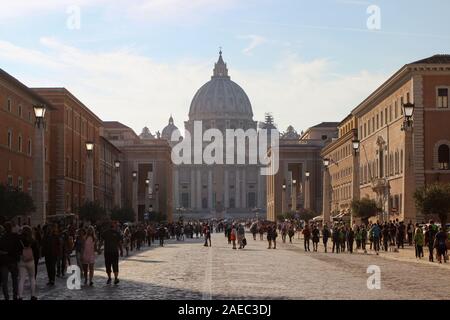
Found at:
(218, 190)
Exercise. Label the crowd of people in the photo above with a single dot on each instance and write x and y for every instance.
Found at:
(23, 247)
(59, 246)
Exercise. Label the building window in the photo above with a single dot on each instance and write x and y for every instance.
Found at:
(8, 105)
(444, 157)
(385, 116)
(20, 183)
(442, 98)
(10, 181)
(29, 116)
(396, 110)
(20, 111)
(29, 147)
(9, 139)
(20, 143)
(324, 137)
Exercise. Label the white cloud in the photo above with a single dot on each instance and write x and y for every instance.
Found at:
(255, 41)
(126, 86)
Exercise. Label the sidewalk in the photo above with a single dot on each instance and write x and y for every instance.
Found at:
(405, 255)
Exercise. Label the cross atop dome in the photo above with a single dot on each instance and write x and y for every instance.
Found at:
(220, 67)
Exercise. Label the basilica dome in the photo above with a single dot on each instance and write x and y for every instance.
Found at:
(220, 98)
(169, 129)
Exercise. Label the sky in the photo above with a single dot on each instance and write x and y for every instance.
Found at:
(139, 61)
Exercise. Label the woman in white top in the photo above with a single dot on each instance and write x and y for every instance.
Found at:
(88, 258)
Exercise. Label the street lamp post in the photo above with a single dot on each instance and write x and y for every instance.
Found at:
(38, 187)
(134, 177)
(294, 195)
(283, 198)
(409, 178)
(307, 191)
(147, 186)
(356, 144)
(90, 171)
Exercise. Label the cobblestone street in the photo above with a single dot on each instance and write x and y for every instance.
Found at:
(188, 270)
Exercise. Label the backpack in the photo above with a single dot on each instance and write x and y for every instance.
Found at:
(27, 253)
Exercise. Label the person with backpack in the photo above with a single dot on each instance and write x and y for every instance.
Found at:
(26, 264)
(440, 243)
(375, 233)
(419, 241)
(233, 236)
(315, 238)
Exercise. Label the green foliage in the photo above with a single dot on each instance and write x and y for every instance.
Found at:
(14, 202)
(124, 214)
(307, 215)
(365, 208)
(91, 211)
(434, 200)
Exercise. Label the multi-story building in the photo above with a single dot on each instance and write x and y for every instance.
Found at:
(297, 185)
(72, 125)
(395, 158)
(17, 139)
(340, 180)
(143, 159)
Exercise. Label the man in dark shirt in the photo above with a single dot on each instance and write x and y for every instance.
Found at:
(11, 250)
(112, 246)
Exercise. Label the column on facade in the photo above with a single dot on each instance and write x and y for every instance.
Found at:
(259, 188)
(326, 196)
(134, 195)
(193, 191)
(244, 189)
(199, 189)
(210, 189)
(226, 190)
(176, 185)
(238, 190)
(38, 186)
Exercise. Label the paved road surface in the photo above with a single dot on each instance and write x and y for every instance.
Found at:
(188, 270)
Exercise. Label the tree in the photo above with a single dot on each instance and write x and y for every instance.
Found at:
(365, 208)
(14, 202)
(434, 199)
(124, 214)
(307, 215)
(91, 211)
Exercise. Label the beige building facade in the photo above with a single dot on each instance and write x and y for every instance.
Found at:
(341, 182)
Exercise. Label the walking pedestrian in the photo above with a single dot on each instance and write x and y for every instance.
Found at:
(419, 241)
(26, 264)
(306, 237)
(233, 236)
(241, 235)
(441, 245)
(11, 248)
(112, 247)
(315, 238)
(207, 233)
(50, 250)
(88, 259)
